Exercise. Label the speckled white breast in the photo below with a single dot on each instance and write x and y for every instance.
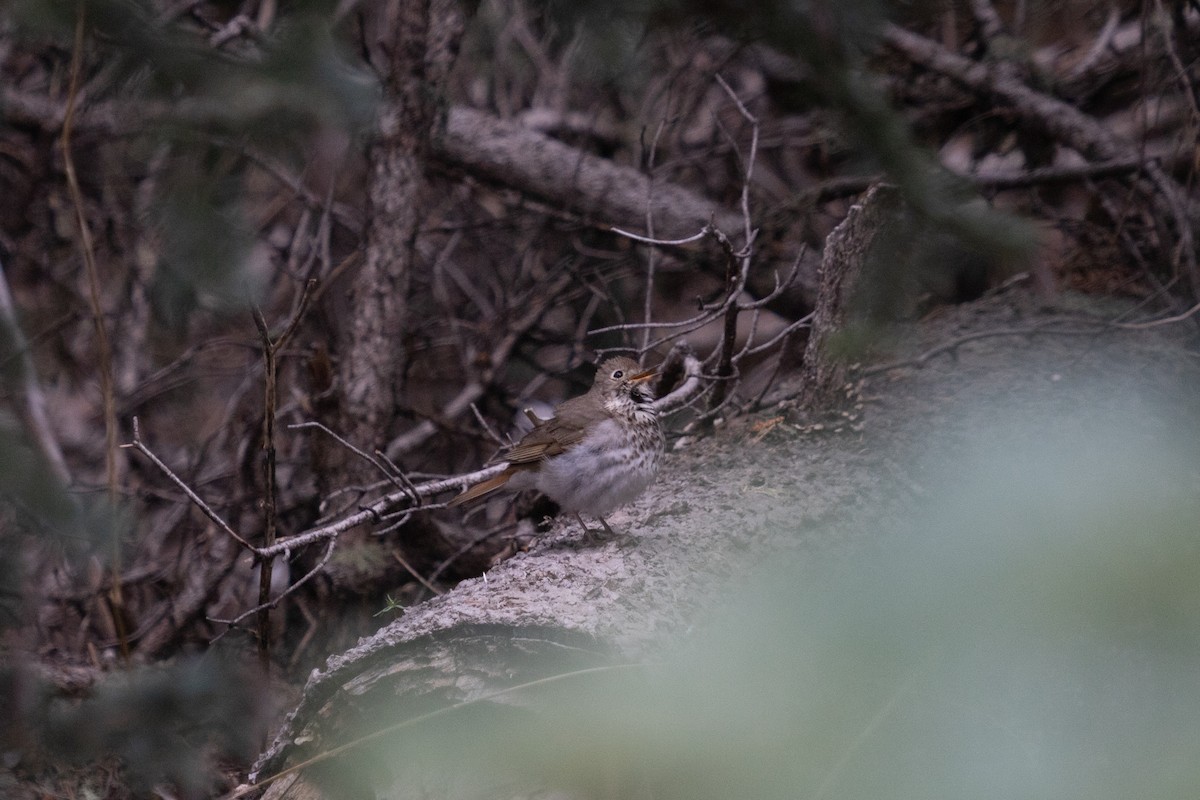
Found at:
(608, 469)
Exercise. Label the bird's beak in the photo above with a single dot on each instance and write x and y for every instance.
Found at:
(643, 376)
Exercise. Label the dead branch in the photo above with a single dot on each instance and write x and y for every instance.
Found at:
(421, 579)
(141, 447)
(952, 347)
(737, 264)
(604, 193)
(1061, 120)
(737, 268)
(705, 231)
(651, 253)
(273, 602)
(271, 349)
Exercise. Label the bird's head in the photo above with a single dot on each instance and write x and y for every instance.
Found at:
(621, 377)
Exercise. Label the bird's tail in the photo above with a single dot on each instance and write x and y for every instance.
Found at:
(480, 489)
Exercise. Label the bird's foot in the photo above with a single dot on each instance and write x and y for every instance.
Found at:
(594, 537)
(589, 536)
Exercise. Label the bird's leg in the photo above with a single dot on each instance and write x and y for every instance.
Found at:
(592, 537)
(587, 532)
(621, 539)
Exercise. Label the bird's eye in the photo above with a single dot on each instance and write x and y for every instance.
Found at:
(618, 375)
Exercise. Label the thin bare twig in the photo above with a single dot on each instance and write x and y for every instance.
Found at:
(1154, 323)
(737, 264)
(735, 268)
(487, 428)
(141, 447)
(803, 322)
(751, 157)
(399, 476)
(412, 571)
(274, 602)
(950, 347)
(400, 522)
(699, 321)
(380, 461)
(662, 242)
(266, 566)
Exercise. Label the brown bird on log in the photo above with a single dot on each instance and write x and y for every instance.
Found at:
(598, 452)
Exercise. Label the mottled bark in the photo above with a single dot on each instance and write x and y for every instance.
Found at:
(414, 44)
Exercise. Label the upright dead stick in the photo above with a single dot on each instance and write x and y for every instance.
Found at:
(737, 264)
(270, 401)
(103, 347)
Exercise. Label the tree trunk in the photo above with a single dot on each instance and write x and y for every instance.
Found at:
(416, 43)
(847, 249)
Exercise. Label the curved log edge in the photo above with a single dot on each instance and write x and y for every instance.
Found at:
(764, 487)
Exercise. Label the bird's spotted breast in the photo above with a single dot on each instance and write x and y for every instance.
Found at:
(609, 468)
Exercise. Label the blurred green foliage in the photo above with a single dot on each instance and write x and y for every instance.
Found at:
(192, 117)
(32, 500)
(203, 109)
(163, 723)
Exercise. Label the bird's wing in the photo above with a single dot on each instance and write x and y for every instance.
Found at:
(555, 435)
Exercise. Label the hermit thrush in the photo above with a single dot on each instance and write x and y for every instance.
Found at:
(598, 452)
